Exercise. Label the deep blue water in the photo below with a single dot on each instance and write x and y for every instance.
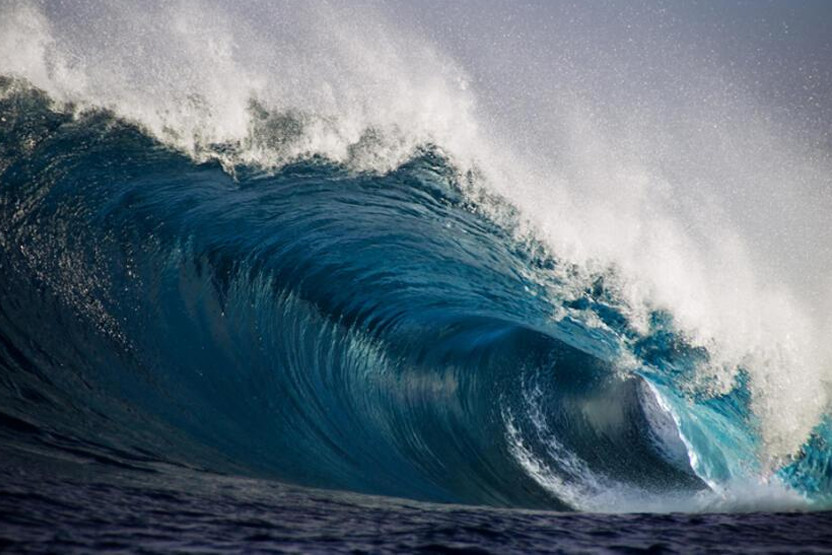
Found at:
(66, 507)
(185, 348)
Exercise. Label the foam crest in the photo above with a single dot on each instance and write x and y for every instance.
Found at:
(194, 74)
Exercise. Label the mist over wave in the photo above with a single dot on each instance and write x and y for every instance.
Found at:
(321, 233)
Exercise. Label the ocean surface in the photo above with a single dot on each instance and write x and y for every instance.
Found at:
(310, 333)
(62, 507)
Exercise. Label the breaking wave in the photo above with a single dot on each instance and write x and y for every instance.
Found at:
(347, 286)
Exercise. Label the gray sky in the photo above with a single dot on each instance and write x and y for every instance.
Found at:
(781, 51)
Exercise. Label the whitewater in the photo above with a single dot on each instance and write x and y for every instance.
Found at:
(341, 259)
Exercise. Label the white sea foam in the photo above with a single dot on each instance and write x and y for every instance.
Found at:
(663, 196)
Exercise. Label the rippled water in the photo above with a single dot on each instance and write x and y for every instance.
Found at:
(67, 508)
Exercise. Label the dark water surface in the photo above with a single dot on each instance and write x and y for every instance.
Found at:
(72, 508)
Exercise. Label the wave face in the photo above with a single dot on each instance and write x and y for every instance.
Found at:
(375, 332)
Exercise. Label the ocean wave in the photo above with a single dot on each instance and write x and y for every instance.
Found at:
(395, 331)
